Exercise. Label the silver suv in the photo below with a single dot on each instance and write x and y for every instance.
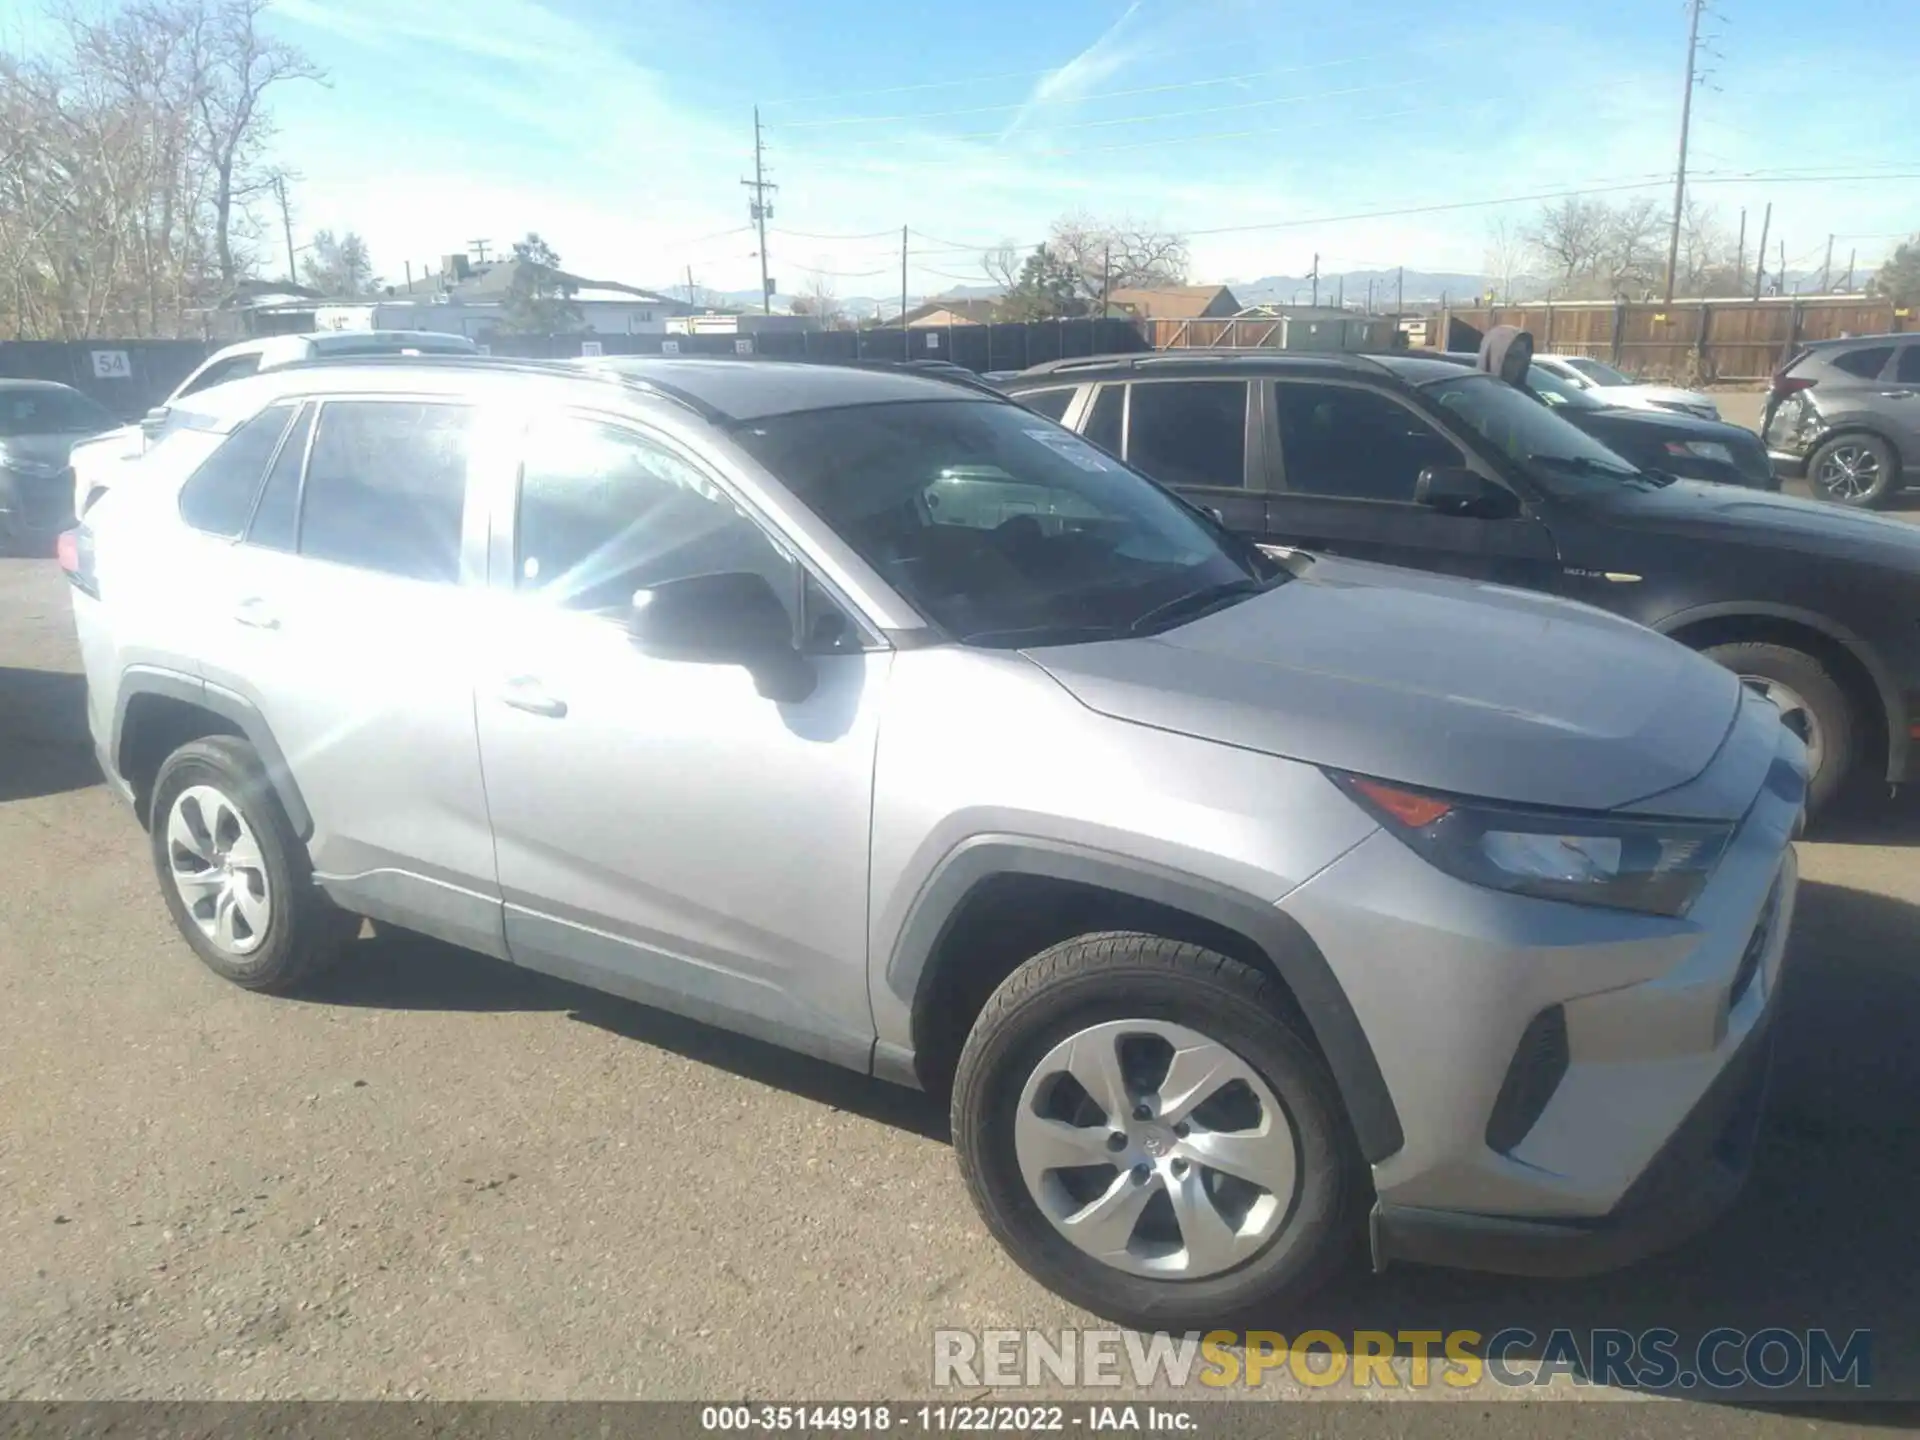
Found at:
(1235, 898)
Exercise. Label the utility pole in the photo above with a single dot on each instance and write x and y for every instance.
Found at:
(1340, 295)
(759, 211)
(904, 354)
(1740, 254)
(690, 303)
(1850, 255)
(1400, 291)
(1694, 7)
(479, 249)
(286, 224)
(1106, 280)
(1316, 281)
(1780, 275)
(1826, 270)
(1760, 254)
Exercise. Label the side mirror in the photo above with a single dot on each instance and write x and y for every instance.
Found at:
(1456, 490)
(731, 617)
(154, 419)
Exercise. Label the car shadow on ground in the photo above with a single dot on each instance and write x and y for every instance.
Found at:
(1869, 819)
(1822, 1238)
(394, 970)
(45, 747)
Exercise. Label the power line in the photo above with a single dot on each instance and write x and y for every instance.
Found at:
(812, 235)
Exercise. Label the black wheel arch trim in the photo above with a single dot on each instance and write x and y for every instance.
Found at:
(1892, 703)
(1287, 946)
(233, 708)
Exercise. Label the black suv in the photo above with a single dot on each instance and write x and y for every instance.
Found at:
(1416, 460)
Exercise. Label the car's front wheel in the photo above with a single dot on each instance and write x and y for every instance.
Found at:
(1146, 1135)
(1812, 704)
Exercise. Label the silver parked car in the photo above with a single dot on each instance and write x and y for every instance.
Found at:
(40, 423)
(1616, 388)
(1236, 899)
(1846, 415)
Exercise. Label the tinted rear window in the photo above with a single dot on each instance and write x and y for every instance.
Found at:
(1908, 370)
(386, 487)
(218, 496)
(1050, 403)
(1866, 363)
(33, 410)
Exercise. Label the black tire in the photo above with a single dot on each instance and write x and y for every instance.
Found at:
(305, 931)
(1869, 497)
(1126, 976)
(1832, 710)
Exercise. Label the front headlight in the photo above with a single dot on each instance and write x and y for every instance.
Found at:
(1655, 866)
(1701, 449)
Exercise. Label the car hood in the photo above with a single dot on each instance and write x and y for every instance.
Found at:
(1659, 423)
(123, 443)
(1426, 680)
(1672, 393)
(1722, 514)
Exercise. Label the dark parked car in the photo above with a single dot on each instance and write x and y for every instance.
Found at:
(1681, 445)
(1418, 461)
(1846, 414)
(39, 423)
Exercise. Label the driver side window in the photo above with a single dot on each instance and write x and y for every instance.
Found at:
(604, 512)
(1350, 443)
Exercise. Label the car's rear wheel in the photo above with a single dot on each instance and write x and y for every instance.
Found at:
(234, 873)
(1142, 1130)
(1812, 704)
(1855, 470)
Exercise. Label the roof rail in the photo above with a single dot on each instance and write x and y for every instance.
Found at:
(562, 369)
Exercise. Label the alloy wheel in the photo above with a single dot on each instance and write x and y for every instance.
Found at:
(1155, 1149)
(217, 867)
(1795, 714)
(1849, 472)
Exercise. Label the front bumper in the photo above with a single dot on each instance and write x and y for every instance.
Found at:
(1577, 1087)
(1690, 1183)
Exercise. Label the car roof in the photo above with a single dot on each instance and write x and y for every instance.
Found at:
(721, 391)
(1889, 337)
(1077, 369)
(9, 382)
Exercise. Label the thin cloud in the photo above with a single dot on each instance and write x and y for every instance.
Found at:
(1106, 57)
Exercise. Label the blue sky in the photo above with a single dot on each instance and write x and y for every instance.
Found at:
(620, 128)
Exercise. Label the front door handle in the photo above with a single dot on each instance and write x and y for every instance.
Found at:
(253, 613)
(1896, 394)
(526, 693)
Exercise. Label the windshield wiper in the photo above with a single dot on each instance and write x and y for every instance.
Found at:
(1022, 635)
(1195, 603)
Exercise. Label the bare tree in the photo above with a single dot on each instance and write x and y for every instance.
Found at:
(1634, 248)
(1001, 265)
(821, 299)
(1117, 254)
(1506, 252)
(1569, 238)
(339, 268)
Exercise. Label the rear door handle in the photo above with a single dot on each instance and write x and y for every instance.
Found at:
(253, 612)
(1896, 394)
(526, 693)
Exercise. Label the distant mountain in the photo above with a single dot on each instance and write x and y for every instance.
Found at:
(1415, 285)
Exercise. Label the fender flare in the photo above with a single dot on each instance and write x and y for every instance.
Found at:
(1892, 705)
(1287, 946)
(236, 709)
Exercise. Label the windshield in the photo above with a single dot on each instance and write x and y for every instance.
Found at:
(1001, 527)
(1560, 392)
(50, 412)
(1597, 372)
(1564, 460)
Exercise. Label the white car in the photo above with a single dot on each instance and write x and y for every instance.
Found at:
(1617, 389)
(96, 462)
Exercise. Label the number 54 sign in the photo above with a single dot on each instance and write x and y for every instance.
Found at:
(112, 365)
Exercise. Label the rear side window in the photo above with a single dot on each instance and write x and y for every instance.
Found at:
(1103, 425)
(1050, 403)
(218, 497)
(1867, 363)
(276, 519)
(234, 367)
(386, 487)
(1908, 370)
(1190, 432)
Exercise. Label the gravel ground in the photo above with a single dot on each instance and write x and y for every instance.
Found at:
(437, 1176)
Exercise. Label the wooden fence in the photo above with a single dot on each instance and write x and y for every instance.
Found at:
(1698, 341)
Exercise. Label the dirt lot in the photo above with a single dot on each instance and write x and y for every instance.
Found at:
(438, 1176)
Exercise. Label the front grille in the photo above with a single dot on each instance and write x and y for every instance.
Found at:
(1539, 1064)
(1756, 947)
